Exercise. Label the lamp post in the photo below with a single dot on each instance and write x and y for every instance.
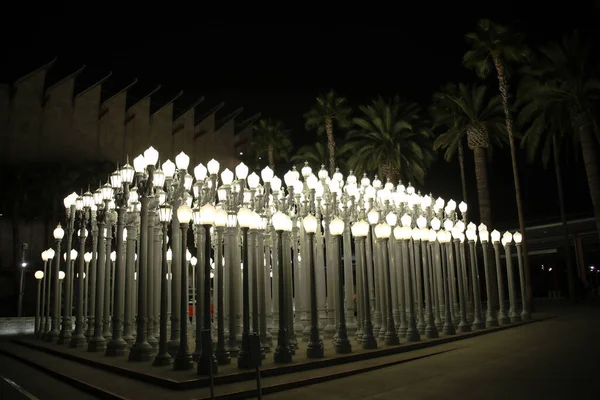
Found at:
(78, 339)
(207, 363)
(315, 344)
(221, 353)
(183, 358)
(512, 290)
(404, 234)
(484, 237)
(87, 257)
(342, 343)
(23, 264)
(54, 331)
(430, 328)
(360, 230)
(444, 238)
(47, 286)
(477, 321)
(39, 329)
(463, 325)
(525, 312)
(39, 275)
(502, 315)
(66, 326)
(165, 213)
(244, 218)
(383, 231)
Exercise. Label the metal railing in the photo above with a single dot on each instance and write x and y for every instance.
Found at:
(9, 390)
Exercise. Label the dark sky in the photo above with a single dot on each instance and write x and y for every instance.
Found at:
(278, 69)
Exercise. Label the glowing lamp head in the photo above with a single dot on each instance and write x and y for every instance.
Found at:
(311, 181)
(462, 207)
(169, 169)
(279, 221)
(436, 224)
(276, 184)
(50, 253)
(226, 176)
(406, 220)
(373, 216)
(495, 236)
(45, 255)
(306, 170)
(169, 254)
(471, 235)
(139, 165)
(421, 222)
(383, 231)
(391, 219)
(165, 213)
(336, 226)
(517, 237)
(182, 161)
(310, 223)
(241, 171)
(253, 180)
(220, 218)
(244, 217)
(200, 172)
(61, 275)
(151, 156)
(213, 167)
(290, 178)
(39, 275)
(184, 213)
(266, 174)
(87, 257)
(58, 233)
(360, 228)
(484, 236)
(448, 224)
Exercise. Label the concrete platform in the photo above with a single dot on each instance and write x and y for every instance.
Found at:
(102, 373)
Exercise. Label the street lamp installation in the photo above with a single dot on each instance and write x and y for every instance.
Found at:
(405, 276)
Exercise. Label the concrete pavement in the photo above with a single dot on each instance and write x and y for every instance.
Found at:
(553, 359)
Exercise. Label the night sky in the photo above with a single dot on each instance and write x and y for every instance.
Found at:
(278, 69)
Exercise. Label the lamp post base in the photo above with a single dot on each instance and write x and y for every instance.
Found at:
(223, 357)
(162, 360)
(141, 352)
(391, 339)
(490, 321)
(205, 363)
(78, 342)
(477, 324)
(51, 336)
(526, 316)
(431, 332)
(463, 327)
(313, 350)
(173, 346)
(64, 337)
(96, 344)
(343, 346)
(183, 362)
(116, 348)
(412, 334)
(282, 355)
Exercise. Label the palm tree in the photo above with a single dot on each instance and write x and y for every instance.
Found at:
(558, 92)
(468, 112)
(444, 109)
(494, 46)
(391, 138)
(330, 109)
(545, 128)
(564, 83)
(270, 139)
(316, 155)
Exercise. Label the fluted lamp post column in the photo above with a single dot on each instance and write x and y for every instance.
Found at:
(383, 231)
(342, 343)
(281, 222)
(207, 360)
(39, 326)
(39, 275)
(502, 314)
(315, 344)
(360, 230)
(165, 213)
(244, 218)
(512, 289)
(404, 234)
(525, 312)
(478, 323)
(444, 238)
(52, 335)
(221, 353)
(484, 238)
(48, 283)
(66, 325)
(183, 358)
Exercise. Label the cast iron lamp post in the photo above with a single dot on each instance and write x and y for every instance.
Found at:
(47, 286)
(65, 330)
(183, 358)
(315, 344)
(39, 326)
(478, 323)
(342, 343)
(207, 361)
(360, 230)
(502, 315)
(281, 222)
(484, 238)
(383, 231)
(512, 290)
(444, 238)
(39, 275)
(244, 217)
(525, 312)
(165, 214)
(54, 332)
(221, 352)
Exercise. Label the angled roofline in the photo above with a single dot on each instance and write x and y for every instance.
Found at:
(168, 102)
(45, 66)
(229, 117)
(94, 85)
(156, 89)
(73, 75)
(193, 105)
(209, 113)
(248, 121)
(121, 91)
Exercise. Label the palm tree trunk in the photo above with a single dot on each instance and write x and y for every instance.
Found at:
(588, 148)
(503, 85)
(563, 217)
(271, 156)
(461, 162)
(330, 145)
(483, 190)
